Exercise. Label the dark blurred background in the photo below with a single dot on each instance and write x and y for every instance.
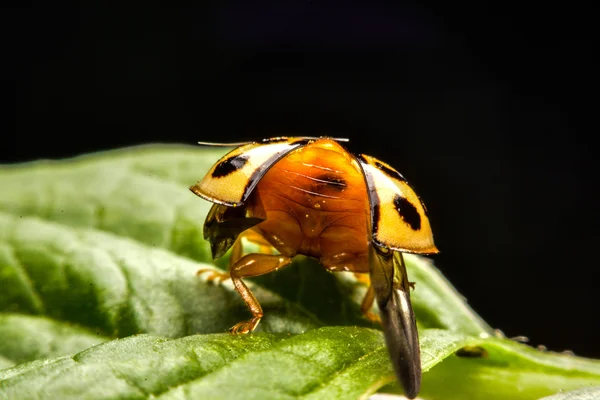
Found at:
(483, 108)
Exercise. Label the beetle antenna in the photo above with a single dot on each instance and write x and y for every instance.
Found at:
(325, 137)
(223, 144)
(243, 143)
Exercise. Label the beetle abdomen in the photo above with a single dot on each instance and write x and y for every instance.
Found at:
(315, 203)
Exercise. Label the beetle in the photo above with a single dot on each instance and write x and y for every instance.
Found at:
(310, 196)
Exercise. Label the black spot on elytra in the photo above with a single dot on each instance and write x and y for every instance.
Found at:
(389, 172)
(408, 212)
(332, 181)
(229, 165)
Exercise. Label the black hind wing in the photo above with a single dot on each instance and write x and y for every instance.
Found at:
(392, 293)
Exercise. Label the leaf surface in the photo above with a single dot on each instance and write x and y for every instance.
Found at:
(99, 298)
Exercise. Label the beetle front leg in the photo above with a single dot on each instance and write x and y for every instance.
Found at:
(248, 266)
(213, 275)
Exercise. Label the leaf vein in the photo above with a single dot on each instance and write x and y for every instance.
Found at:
(23, 274)
(345, 367)
(130, 293)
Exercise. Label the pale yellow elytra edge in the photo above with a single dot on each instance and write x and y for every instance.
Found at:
(310, 196)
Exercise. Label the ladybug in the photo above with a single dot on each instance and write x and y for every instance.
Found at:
(310, 196)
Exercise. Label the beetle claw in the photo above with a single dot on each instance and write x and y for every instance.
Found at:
(213, 276)
(371, 316)
(245, 327)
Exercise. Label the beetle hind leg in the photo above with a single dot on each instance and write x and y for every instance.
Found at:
(367, 305)
(248, 266)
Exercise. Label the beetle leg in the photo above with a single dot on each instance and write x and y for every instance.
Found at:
(367, 304)
(213, 275)
(248, 266)
(362, 278)
(237, 250)
(219, 276)
(369, 299)
(264, 246)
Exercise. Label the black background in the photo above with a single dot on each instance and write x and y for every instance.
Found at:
(483, 108)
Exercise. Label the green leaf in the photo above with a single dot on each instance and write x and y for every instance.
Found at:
(509, 370)
(107, 246)
(220, 366)
(591, 393)
(24, 338)
(119, 287)
(140, 193)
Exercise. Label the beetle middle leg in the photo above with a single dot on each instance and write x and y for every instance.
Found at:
(248, 266)
(346, 261)
(237, 250)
